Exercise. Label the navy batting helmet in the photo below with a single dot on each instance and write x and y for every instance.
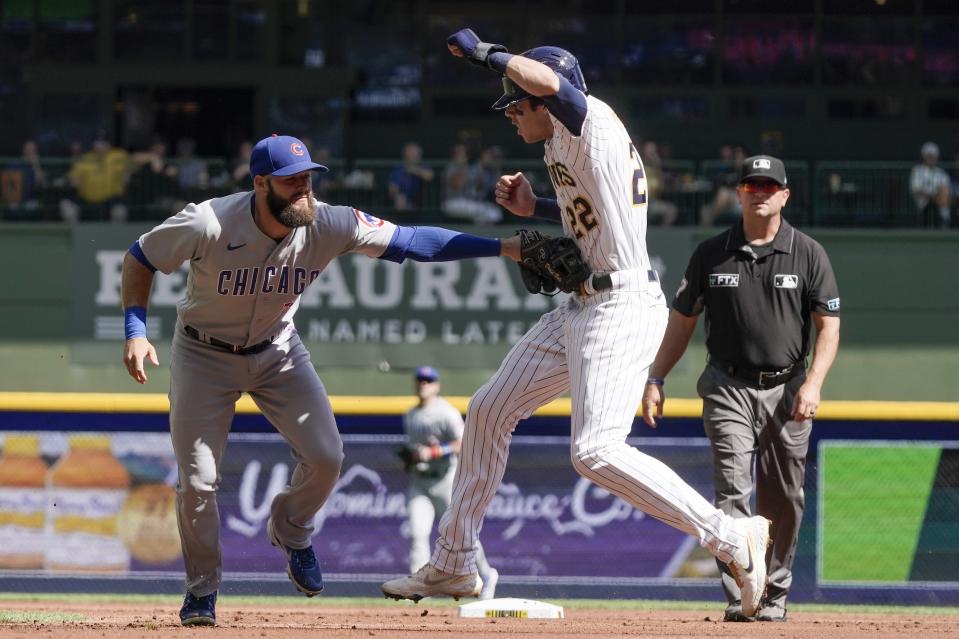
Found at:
(559, 60)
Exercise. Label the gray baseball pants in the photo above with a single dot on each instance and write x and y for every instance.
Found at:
(747, 425)
(205, 383)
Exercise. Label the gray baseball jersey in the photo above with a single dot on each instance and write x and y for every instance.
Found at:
(440, 421)
(243, 286)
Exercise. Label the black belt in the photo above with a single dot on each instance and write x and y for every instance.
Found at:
(757, 377)
(603, 281)
(239, 350)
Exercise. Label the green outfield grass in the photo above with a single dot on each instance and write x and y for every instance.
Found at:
(904, 373)
(40, 617)
(374, 602)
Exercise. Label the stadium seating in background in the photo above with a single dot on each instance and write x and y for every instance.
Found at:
(864, 194)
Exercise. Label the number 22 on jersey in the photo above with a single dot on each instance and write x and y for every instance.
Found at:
(580, 214)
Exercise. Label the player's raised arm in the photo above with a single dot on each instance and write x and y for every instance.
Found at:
(136, 280)
(549, 73)
(533, 77)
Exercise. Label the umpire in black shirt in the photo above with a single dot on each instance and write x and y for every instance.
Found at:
(762, 285)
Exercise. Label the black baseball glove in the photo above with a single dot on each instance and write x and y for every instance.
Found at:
(550, 263)
(407, 455)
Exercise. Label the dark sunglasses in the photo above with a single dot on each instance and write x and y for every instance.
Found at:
(761, 187)
(425, 379)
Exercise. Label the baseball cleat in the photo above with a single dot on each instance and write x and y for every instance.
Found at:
(302, 567)
(734, 613)
(748, 566)
(430, 582)
(198, 611)
(770, 611)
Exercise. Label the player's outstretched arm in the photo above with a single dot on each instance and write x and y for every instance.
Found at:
(437, 244)
(136, 280)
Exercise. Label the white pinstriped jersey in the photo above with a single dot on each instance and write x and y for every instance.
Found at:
(245, 287)
(601, 189)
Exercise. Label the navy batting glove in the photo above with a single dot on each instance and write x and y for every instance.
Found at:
(473, 48)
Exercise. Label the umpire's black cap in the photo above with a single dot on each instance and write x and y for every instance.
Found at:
(764, 166)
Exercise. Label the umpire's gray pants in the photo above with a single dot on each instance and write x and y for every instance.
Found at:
(740, 422)
(205, 383)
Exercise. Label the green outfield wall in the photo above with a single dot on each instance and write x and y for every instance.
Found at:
(897, 287)
(61, 323)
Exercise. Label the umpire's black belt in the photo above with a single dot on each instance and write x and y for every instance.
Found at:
(239, 350)
(763, 380)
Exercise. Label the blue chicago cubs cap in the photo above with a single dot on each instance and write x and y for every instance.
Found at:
(281, 155)
(427, 373)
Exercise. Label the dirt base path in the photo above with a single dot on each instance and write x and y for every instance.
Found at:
(96, 620)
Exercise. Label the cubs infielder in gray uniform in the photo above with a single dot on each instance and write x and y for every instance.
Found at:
(434, 433)
(597, 346)
(251, 256)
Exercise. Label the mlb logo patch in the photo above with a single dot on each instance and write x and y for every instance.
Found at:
(723, 280)
(368, 220)
(761, 163)
(833, 304)
(786, 281)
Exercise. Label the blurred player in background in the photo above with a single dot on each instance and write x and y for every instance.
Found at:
(251, 256)
(434, 433)
(597, 345)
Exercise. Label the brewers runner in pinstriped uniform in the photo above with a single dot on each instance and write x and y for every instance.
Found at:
(434, 433)
(598, 345)
(251, 257)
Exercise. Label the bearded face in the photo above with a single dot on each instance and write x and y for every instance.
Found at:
(299, 210)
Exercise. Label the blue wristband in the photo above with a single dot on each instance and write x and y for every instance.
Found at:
(498, 61)
(135, 321)
(547, 209)
(656, 381)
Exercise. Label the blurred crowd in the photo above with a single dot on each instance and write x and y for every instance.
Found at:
(103, 182)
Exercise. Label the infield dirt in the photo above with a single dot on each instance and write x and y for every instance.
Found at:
(334, 622)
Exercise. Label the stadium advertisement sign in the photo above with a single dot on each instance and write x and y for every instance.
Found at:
(104, 502)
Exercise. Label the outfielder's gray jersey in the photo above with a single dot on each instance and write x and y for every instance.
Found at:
(243, 286)
(601, 189)
(439, 421)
